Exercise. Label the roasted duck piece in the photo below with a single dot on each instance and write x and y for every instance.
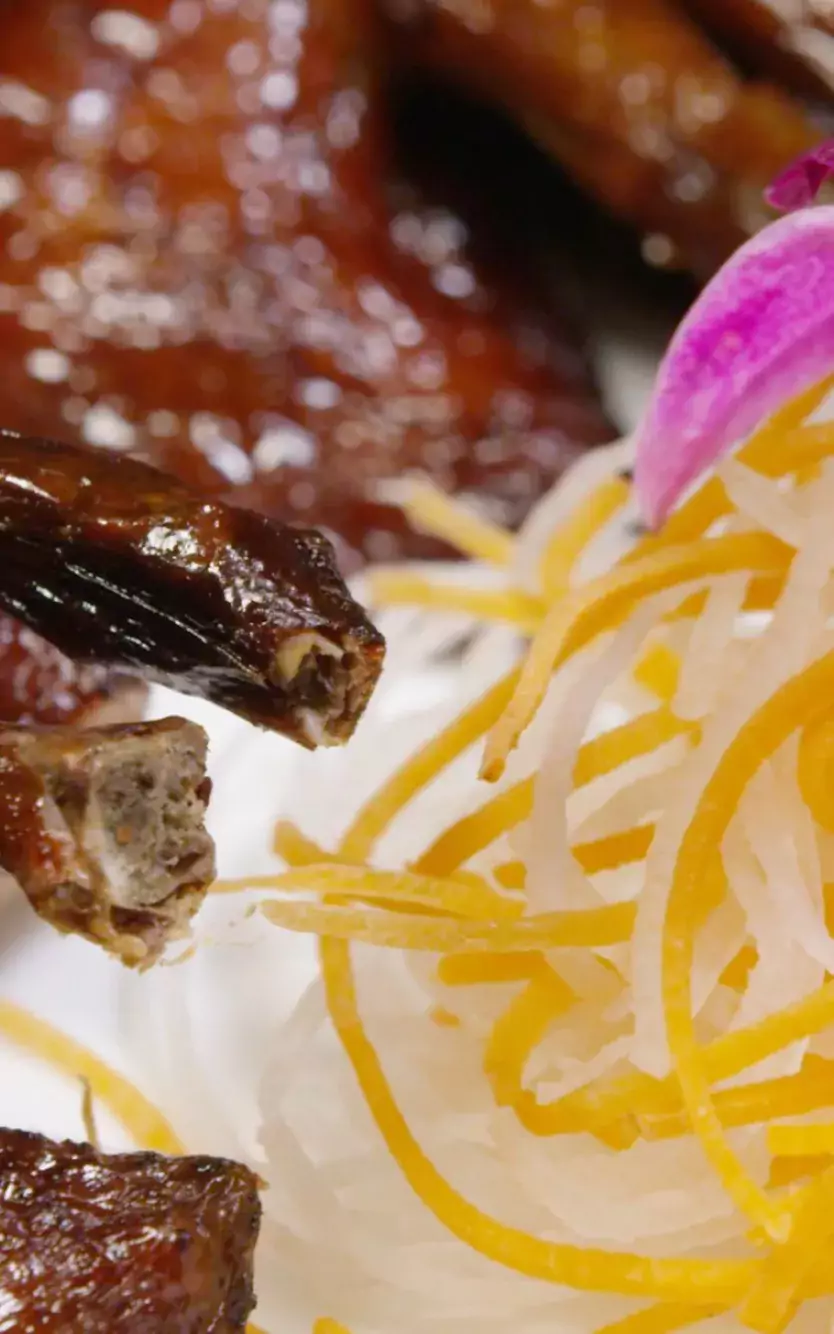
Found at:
(632, 98)
(792, 42)
(199, 263)
(124, 1243)
(103, 830)
(39, 684)
(118, 565)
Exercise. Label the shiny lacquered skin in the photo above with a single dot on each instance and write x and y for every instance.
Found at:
(119, 565)
(790, 42)
(631, 96)
(200, 262)
(39, 684)
(122, 1244)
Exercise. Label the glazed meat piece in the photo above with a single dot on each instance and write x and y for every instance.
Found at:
(39, 684)
(103, 830)
(793, 42)
(123, 1244)
(118, 565)
(632, 98)
(199, 263)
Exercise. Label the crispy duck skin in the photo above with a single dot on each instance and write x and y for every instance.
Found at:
(633, 99)
(202, 264)
(119, 565)
(39, 684)
(122, 1244)
(103, 830)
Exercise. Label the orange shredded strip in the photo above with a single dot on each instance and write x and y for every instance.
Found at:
(695, 1281)
(512, 607)
(658, 671)
(327, 1326)
(573, 536)
(296, 848)
(608, 925)
(664, 1318)
(809, 1090)
(605, 603)
(143, 1122)
(521, 1028)
(620, 849)
(511, 875)
(773, 1299)
(738, 970)
(796, 703)
(429, 508)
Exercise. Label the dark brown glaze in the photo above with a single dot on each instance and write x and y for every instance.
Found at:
(39, 684)
(124, 1243)
(791, 42)
(119, 565)
(632, 98)
(199, 263)
(103, 829)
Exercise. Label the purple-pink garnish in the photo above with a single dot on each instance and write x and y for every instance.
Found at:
(801, 182)
(760, 333)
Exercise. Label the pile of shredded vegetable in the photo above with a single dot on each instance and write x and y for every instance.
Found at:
(571, 1068)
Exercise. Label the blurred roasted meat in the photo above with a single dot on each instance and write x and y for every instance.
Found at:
(199, 263)
(633, 99)
(792, 42)
(123, 1243)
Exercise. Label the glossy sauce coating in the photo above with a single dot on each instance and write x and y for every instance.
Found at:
(39, 684)
(122, 1244)
(790, 41)
(631, 96)
(199, 263)
(118, 565)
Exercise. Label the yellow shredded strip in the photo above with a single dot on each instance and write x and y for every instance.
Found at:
(664, 1318)
(815, 771)
(799, 1141)
(772, 1301)
(327, 1326)
(470, 970)
(658, 671)
(430, 509)
(512, 607)
(296, 848)
(467, 896)
(603, 604)
(144, 1123)
(713, 1282)
(476, 831)
(423, 767)
(811, 1089)
(572, 537)
(608, 925)
(794, 705)
(620, 849)
(521, 1028)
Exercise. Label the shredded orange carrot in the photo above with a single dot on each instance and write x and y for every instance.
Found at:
(327, 1326)
(802, 1141)
(470, 970)
(658, 671)
(430, 509)
(466, 895)
(795, 704)
(605, 603)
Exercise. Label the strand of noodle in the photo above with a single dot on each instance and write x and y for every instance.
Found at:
(572, 537)
(758, 500)
(770, 1304)
(665, 1318)
(809, 1090)
(604, 604)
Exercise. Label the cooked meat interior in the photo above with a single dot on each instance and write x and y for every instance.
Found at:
(104, 831)
(123, 1244)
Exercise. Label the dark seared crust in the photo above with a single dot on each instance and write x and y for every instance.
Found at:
(104, 830)
(119, 565)
(123, 1244)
